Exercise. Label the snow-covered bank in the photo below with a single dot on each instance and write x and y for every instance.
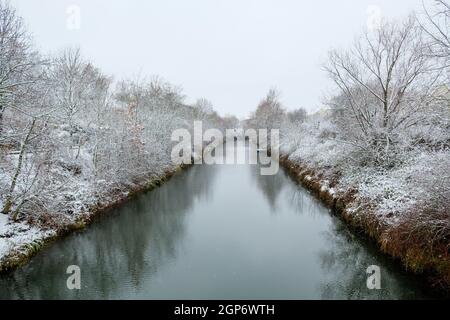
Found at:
(379, 149)
(74, 141)
(405, 209)
(398, 194)
(393, 231)
(20, 241)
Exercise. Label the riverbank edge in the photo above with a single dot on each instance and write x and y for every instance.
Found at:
(435, 270)
(21, 256)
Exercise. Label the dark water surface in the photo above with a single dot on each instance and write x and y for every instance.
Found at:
(215, 232)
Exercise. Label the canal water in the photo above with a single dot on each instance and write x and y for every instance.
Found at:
(215, 232)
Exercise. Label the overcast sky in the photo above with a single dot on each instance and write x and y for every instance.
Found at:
(229, 51)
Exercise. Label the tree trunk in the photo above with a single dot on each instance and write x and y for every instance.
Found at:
(9, 198)
(2, 108)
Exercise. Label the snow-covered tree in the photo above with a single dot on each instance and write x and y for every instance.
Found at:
(385, 83)
(270, 113)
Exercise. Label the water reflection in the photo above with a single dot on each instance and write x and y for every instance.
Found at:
(345, 259)
(343, 255)
(270, 186)
(117, 251)
(214, 232)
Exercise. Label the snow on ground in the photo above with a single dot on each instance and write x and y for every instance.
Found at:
(15, 237)
(391, 193)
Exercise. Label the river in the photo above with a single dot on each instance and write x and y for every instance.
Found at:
(215, 232)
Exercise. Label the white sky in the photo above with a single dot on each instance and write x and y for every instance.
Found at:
(229, 51)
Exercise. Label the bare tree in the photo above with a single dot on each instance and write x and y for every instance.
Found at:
(384, 82)
(297, 116)
(270, 113)
(203, 108)
(17, 60)
(9, 197)
(23, 106)
(75, 81)
(437, 27)
(230, 122)
(79, 94)
(67, 141)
